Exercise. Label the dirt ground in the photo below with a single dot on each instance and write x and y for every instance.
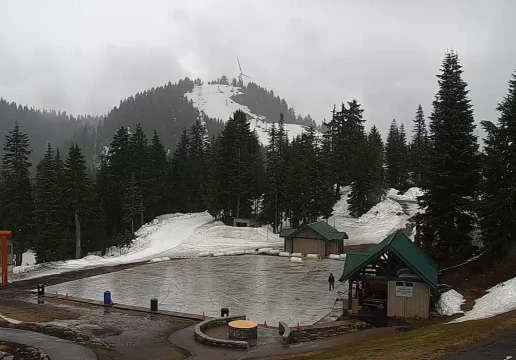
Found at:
(128, 335)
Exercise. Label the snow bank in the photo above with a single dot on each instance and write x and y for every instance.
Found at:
(374, 226)
(28, 258)
(274, 252)
(266, 251)
(153, 240)
(284, 253)
(410, 195)
(334, 256)
(312, 256)
(343, 256)
(499, 299)
(296, 260)
(299, 255)
(449, 303)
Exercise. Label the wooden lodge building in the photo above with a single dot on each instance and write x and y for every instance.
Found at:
(396, 276)
(316, 238)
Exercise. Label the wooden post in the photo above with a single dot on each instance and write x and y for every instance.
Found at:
(358, 293)
(4, 234)
(4, 260)
(350, 293)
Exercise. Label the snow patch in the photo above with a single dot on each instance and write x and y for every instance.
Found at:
(498, 300)
(215, 101)
(449, 303)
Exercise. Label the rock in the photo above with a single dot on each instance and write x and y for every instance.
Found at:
(10, 357)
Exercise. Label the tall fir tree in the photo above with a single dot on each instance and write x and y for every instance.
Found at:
(197, 164)
(133, 203)
(396, 156)
(346, 130)
(50, 243)
(360, 194)
(375, 164)
(419, 147)
(140, 167)
(235, 180)
(180, 177)
(309, 185)
(77, 190)
(276, 154)
(16, 191)
(451, 187)
(497, 208)
(158, 201)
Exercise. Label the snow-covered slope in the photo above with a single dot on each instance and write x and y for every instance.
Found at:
(173, 236)
(215, 101)
(372, 227)
(499, 299)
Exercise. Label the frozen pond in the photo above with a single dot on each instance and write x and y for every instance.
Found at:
(262, 287)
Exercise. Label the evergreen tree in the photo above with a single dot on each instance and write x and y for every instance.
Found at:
(158, 196)
(233, 184)
(197, 166)
(117, 173)
(451, 186)
(276, 154)
(396, 155)
(309, 185)
(77, 190)
(375, 165)
(140, 167)
(361, 194)
(50, 243)
(16, 191)
(346, 131)
(133, 203)
(419, 147)
(497, 208)
(180, 168)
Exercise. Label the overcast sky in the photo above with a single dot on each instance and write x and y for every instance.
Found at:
(84, 56)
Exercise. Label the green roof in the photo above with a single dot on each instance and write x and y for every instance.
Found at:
(404, 248)
(327, 232)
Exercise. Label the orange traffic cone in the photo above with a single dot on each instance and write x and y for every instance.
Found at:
(265, 324)
(66, 296)
(203, 316)
(297, 326)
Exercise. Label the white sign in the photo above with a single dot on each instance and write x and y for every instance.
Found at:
(404, 289)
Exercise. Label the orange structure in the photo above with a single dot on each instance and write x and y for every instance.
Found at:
(4, 236)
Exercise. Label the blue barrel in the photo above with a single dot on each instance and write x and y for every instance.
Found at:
(107, 297)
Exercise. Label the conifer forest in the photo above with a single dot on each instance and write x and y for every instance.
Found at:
(74, 197)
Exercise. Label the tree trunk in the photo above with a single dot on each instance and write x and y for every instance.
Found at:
(132, 226)
(19, 254)
(77, 236)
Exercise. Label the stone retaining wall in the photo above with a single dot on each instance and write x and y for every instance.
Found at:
(314, 332)
(201, 337)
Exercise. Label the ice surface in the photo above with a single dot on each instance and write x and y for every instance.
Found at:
(449, 303)
(262, 287)
(173, 235)
(499, 299)
(215, 100)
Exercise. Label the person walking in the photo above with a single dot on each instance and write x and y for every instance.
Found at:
(331, 282)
